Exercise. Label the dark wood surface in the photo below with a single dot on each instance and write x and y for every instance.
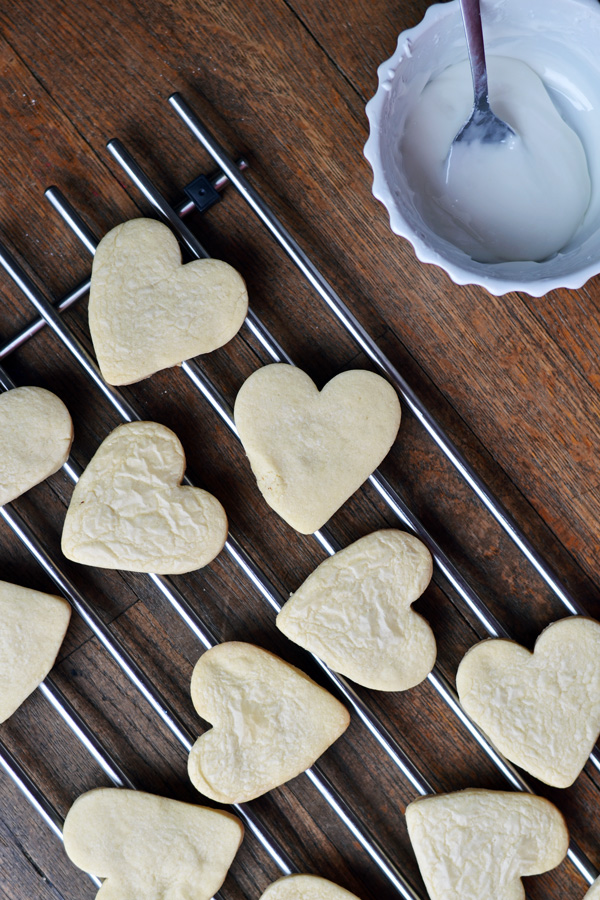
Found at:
(514, 381)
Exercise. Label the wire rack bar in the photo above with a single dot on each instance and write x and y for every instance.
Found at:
(35, 796)
(436, 678)
(28, 332)
(84, 734)
(370, 347)
(29, 789)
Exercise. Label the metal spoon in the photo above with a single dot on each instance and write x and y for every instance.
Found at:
(482, 125)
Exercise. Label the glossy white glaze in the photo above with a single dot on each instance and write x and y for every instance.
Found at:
(521, 199)
(559, 40)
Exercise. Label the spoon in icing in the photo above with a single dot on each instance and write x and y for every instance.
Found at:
(483, 124)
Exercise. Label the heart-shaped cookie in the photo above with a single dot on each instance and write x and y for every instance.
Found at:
(306, 887)
(36, 433)
(311, 450)
(148, 312)
(477, 845)
(270, 722)
(594, 891)
(540, 709)
(354, 612)
(32, 628)
(149, 847)
(129, 510)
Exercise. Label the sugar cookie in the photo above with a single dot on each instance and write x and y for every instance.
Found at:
(36, 433)
(149, 847)
(540, 709)
(354, 612)
(148, 312)
(594, 891)
(129, 510)
(311, 450)
(32, 628)
(270, 722)
(306, 887)
(477, 844)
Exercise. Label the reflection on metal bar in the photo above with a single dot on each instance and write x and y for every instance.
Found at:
(85, 735)
(368, 841)
(369, 346)
(37, 324)
(353, 823)
(30, 790)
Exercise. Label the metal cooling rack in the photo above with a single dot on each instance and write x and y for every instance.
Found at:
(201, 191)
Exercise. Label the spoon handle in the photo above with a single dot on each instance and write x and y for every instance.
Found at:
(471, 13)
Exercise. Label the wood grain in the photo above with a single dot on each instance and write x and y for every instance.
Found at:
(513, 380)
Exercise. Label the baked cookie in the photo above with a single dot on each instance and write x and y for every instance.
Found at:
(129, 510)
(32, 628)
(354, 612)
(311, 450)
(36, 433)
(270, 722)
(306, 887)
(149, 847)
(148, 312)
(477, 844)
(540, 709)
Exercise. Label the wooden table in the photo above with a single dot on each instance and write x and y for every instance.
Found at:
(513, 380)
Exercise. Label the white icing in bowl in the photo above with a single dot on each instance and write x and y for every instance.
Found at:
(559, 40)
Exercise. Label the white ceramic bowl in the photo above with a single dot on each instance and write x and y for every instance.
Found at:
(558, 39)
